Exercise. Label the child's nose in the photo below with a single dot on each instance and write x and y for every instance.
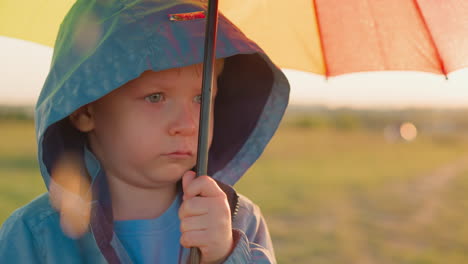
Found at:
(185, 121)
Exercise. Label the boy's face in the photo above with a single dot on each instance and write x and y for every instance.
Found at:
(145, 132)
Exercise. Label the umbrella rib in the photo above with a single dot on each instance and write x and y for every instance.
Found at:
(379, 41)
(322, 46)
(439, 57)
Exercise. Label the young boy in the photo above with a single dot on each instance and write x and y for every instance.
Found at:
(117, 130)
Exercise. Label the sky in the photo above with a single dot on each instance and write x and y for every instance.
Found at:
(24, 66)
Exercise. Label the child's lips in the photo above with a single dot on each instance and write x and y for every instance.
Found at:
(179, 155)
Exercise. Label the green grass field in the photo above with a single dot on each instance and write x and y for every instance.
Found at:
(329, 196)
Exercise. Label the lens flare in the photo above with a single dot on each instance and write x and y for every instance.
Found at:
(70, 195)
(408, 131)
(87, 33)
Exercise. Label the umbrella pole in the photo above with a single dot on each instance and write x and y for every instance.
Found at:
(207, 84)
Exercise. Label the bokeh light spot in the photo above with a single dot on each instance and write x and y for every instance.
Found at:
(408, 131)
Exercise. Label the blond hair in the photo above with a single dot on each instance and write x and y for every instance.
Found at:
(218, 67)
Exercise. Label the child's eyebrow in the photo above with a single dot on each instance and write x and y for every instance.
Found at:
(166, 87)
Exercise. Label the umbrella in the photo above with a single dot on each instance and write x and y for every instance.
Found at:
(327, 37)
(334, 37)
(36, 21)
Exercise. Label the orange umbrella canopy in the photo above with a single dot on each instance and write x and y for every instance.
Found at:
(328, 37)
(333, 37)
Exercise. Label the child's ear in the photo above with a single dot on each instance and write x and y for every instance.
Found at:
(83, 118)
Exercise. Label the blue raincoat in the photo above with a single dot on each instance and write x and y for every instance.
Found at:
(103, 44)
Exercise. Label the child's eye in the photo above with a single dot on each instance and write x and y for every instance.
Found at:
(154, 98)
(197, 99)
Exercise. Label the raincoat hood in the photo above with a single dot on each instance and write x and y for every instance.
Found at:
(103, 44)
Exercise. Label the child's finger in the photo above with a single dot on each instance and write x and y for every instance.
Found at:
(203, 186)
(193, 207)
(187, 178)
(196, 238)
(193, 223)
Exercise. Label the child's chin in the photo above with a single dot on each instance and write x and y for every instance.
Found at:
(170, 174)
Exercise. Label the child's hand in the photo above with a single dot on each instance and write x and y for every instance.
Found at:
(205, 218)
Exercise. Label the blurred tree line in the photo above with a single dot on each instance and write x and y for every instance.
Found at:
(347, 119)
(439, 121)
(22, 113)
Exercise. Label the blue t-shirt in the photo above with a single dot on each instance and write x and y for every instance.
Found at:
(153, 240)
